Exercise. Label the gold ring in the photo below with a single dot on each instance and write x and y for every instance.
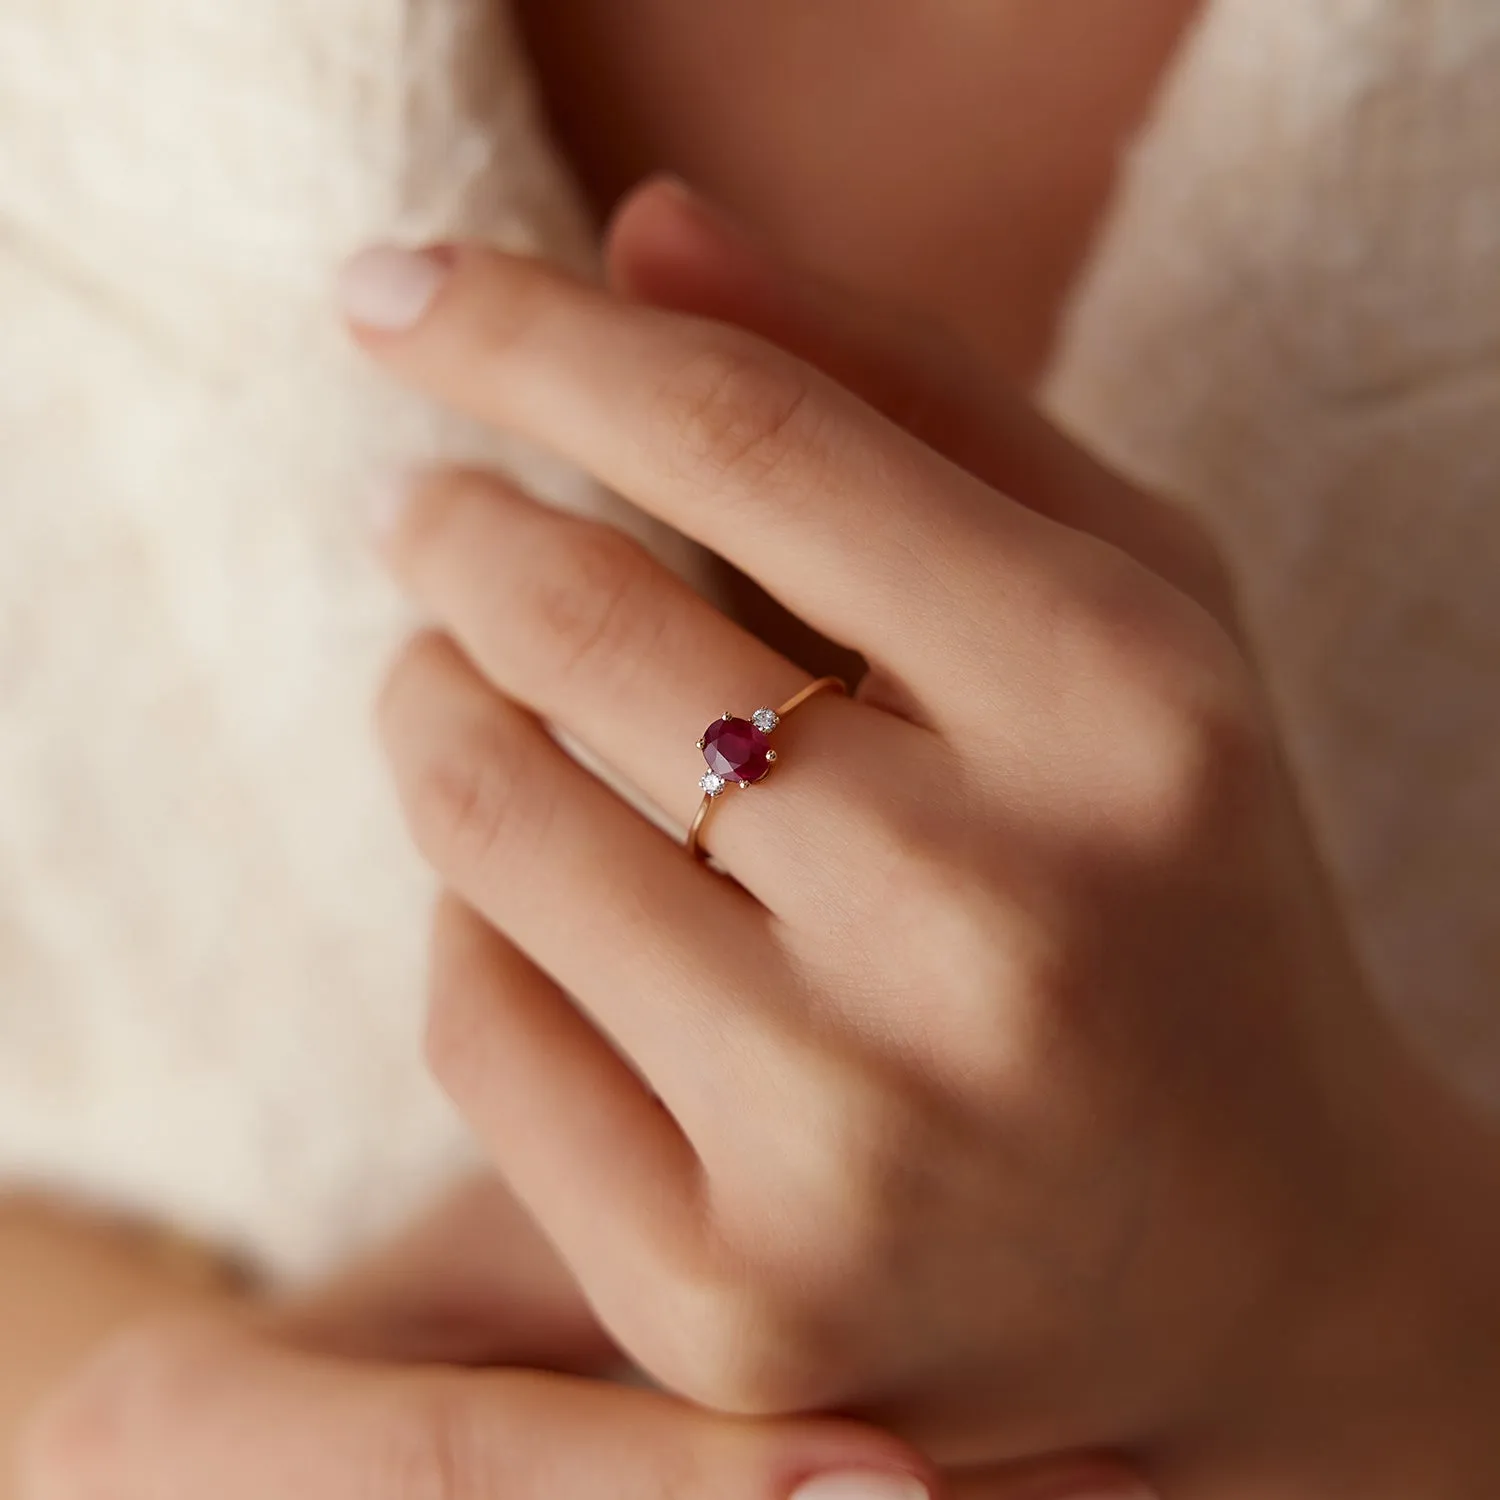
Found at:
(739, 753)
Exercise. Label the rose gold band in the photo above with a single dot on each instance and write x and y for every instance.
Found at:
(693, 842)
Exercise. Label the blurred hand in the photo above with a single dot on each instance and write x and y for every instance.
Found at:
(324, 1400)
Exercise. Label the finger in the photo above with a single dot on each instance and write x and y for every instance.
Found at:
(473, 1282)
(590, 632)
(671, 248)
(851, 522)
(604, 904)
(558, 1112)
(194, 1413)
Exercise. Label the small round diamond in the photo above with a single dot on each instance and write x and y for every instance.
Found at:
(765, 719)
(711, 783)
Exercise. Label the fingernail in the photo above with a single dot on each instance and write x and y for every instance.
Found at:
(389, 289)
(387, 499)
(704, 210)
(862, 1484)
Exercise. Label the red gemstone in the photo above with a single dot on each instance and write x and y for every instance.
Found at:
(736, 750)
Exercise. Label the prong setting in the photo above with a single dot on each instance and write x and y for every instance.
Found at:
(738, 753)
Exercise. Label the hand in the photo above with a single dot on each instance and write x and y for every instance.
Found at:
(1020, 1087)
(323, 1401)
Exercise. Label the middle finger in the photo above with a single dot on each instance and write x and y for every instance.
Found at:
(855, 525)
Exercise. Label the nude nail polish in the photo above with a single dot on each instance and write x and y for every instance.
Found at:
(390, 289)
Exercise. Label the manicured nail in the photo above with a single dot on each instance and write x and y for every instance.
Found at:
(387, 499)
(862, 1484)
(388, 289)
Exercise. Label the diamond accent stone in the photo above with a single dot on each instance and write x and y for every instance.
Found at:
(765, 719)
(712, 783)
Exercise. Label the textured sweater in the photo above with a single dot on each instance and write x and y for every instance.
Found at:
(211, 927)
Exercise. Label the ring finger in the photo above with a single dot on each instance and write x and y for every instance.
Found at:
(581, 625)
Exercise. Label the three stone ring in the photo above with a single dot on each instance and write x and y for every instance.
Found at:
(738, 752)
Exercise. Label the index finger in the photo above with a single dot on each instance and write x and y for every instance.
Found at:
(848, 519)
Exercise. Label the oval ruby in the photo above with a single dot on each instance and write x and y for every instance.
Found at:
(736, 750)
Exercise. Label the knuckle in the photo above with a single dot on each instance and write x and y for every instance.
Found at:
(732, 410)
(591, 615)
(1189, 739)
(470, 805)
(1197, 763)
(749, 1352)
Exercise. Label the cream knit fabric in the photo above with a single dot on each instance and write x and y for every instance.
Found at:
(210, 927)
(1294, 323)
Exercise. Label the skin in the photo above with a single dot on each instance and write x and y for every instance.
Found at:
(1095, 1255)
(67, 1281)
(840, 173)
(956, 159)
(370, 1389)
(154, 1422)
(1051, 1032)
(1399, 1267)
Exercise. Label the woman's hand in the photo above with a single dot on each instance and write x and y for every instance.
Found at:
(188, 1411)
(325, 1400)
(1019, 1085)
